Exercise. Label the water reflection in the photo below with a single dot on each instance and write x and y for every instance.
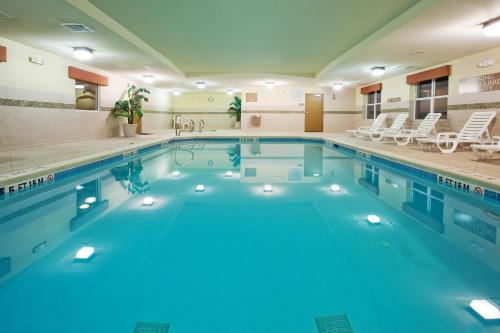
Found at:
(32, 224)
(129, 176)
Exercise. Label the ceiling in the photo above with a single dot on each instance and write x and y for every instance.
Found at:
(229, 44)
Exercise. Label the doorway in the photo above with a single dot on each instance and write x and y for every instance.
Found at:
(314, 113)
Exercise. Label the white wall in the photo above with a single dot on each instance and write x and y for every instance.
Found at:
(22, 81)
(460, 106)
(279, 112)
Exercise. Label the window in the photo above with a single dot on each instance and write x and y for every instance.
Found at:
(373, 100)
(87, 96)
(431, 96)
(427, 201)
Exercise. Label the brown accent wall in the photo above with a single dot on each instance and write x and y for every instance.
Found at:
(3, 54)
(430, 74)
(369, 89)
(86, 76)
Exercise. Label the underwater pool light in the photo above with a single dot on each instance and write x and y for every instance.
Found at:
(485, 308)
(90, 200)
(315, 174)
(335, 188)
(148, 201)
(84, 253)
(84, 206)
(176, 174)
(229, 174)
(200, 188)
(374, 219)
(268, 188)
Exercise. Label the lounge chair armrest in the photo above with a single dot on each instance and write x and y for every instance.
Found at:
(406, 131)
(363, 128)
(446, 135)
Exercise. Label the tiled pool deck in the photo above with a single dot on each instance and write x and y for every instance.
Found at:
(22, 163)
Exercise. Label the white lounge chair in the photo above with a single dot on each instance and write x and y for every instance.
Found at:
(475, 130)
(377, 123)
(381, 133)
(490, 149)
(423, 130)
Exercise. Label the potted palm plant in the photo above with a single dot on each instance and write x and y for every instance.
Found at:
(131, 108)
(235, 110)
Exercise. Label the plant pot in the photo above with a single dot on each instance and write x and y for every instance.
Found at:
(129, 130)
(237, 125)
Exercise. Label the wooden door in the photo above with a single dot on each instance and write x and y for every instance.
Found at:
(314, 113)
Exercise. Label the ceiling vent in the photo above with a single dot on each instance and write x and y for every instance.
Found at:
(77, 27)
(4, 15)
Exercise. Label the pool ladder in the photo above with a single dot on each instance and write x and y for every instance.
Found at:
(186, 124)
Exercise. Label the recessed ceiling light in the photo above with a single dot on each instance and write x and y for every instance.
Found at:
(269, 85)
(378, 71)
(492, 28)
(176, 92)
(83, 53)
(200, 85)
(230, 92)
(148, 78)
(337, 86)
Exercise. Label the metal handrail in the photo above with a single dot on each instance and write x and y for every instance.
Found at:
(179, 126)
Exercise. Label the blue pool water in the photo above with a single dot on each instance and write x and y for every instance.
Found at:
(237, 259)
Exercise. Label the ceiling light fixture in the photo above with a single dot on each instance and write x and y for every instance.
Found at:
(83, 53)
(230, 92)
(200, 85)
(176, 92)
(79, 86)
(492, 28)
(269, 85)
(337, 86)
(148, 79)
(378, 71)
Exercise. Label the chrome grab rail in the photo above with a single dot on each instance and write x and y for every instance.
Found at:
(188, 125)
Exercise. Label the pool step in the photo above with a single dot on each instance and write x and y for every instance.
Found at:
(150, 327)
(334, 324)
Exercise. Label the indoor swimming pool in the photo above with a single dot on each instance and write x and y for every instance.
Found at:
(249, 235)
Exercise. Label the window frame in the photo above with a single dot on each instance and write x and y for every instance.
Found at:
(97, 97)
(428, 194)
(379, 103)
(431, 98)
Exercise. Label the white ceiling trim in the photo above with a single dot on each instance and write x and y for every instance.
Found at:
(88, 8)
(397, 22)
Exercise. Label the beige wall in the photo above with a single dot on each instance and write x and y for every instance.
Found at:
(279, 111)
(197, 106)
(460, 106)
(50, 116)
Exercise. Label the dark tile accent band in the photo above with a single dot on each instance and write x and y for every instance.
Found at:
(475, 106)
(271, 111)
(343, 112)
(203, 112)
(395, 110)
(35, 104)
